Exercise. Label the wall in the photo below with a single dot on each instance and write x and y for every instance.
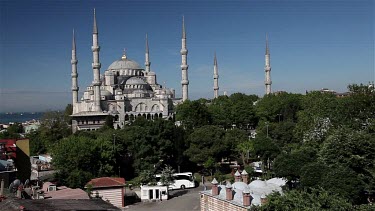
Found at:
(209, 203)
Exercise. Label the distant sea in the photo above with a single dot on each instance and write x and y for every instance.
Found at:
(5, 118)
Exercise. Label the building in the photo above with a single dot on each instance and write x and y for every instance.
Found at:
(15, 204)
(125, 91)
(111, 189)
(154, 193)
(240, 195)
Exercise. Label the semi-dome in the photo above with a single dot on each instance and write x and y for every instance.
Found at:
(135, 81)
(105, 93)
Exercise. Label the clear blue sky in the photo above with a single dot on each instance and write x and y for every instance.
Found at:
(313, 45)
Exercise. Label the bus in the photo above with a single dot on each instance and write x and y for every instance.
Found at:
(181, 180)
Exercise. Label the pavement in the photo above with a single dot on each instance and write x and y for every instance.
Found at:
(180, 200)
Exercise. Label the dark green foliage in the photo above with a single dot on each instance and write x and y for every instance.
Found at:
(295, 200)
(280, 107)
(12, 132)
(289, 164)
(78, 159)
(311, 174)
(193, 114)
(205, 142)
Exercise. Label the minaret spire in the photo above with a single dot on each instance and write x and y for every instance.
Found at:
(184, 66)
(267, 49)
(216, 78)
(147, 56)
(267, 68)
(74, 75)
(95, 28)
(183, 28)
(96, 66)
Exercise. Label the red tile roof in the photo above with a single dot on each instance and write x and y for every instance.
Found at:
(106, 182)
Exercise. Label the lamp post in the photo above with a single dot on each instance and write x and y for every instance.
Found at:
(267, 128)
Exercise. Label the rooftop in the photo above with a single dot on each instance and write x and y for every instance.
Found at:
(106, 182)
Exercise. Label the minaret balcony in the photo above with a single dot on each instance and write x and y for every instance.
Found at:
(184, 66)
(74, 61)
(185, 82)
(184, 51)
(95, 48)
(96, 65)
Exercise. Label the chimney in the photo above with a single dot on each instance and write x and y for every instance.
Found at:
(215, 188)
(246, 197)
(2, 188)
(237, 176)
(245, 176)
(229, 192)
(263, 199)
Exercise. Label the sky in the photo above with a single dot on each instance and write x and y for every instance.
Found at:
(313, 44)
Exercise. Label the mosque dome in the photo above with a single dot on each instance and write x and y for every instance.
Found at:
(124, 63)
(257, 184)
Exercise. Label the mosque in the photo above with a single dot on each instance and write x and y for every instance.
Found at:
(126, 90)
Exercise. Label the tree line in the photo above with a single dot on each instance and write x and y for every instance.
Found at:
(322, 144)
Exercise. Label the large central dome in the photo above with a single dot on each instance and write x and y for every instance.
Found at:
(124, 63)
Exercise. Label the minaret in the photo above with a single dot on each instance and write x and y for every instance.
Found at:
(267, 69)
(147, 57)
(96, 66)
(216, 78)
(74, 62)
(184, 66)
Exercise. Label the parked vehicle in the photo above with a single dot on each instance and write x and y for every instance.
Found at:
(181, 180)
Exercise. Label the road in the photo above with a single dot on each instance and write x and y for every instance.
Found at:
(180, 200)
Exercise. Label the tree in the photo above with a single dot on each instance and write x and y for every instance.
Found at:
(266, 149)
(354, 152)
(289, 164)
(317, 107)
(12, 132)
(221, 111)
(357, 109)
(78, 159)
(246, 150)
(315, 199)
(166, 177)
(206, 142)
(193, 114)
(274, 108)
(53, 128)
(210, 165)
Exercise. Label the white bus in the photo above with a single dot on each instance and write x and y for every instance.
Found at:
(181, 180)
